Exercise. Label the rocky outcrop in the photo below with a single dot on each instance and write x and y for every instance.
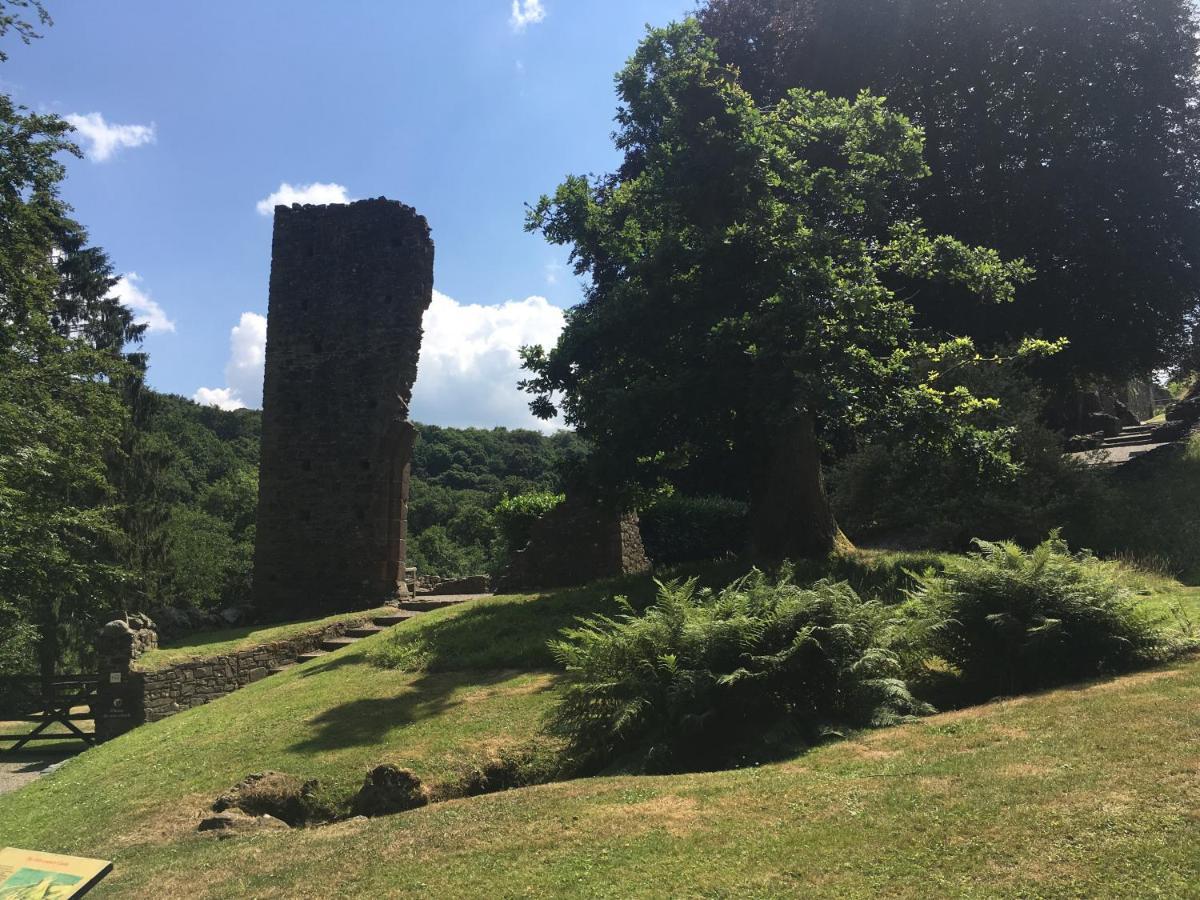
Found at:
(389, 789)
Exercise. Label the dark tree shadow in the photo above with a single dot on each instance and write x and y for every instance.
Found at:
(366, 721)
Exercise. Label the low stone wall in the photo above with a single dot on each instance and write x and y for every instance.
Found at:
(435, 586)
(579, 541)
(129, 696)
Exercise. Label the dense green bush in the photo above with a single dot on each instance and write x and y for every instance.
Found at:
(17, 639)
(678, 529)
(436, 551)
(1010, 481)
(701, 678)
(1147, 514)
(514, 517)
(1012, 620)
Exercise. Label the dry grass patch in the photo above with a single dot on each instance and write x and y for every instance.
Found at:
(164, 825)
(676, 815)
(1131, 682)
(865, 750)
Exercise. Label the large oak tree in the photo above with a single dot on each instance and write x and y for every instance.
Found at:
(1064, 132)
(744, 264)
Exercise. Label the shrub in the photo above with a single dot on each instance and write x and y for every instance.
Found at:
(1014, 621)
(514, 518)
(678, 529)
(1148, 514)
(435, 552)
(17, 640)
(1007, 479)
(704, 678)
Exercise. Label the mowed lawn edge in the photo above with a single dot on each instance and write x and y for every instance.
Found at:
(1086, 791)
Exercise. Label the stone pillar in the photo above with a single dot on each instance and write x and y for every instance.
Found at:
(120, 701)
(349, 287)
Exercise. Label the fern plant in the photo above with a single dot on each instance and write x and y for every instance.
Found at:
(1013, 620)
(701, 678)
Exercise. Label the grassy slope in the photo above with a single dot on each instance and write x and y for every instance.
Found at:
(1073, 793)
(214, 643)
(1099, 786)
(1150, 516)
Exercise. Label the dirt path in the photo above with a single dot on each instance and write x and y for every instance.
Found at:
(17, 770)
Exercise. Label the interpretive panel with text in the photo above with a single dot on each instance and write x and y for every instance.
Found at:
(30, 875)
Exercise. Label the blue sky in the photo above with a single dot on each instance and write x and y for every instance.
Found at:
(193, 114)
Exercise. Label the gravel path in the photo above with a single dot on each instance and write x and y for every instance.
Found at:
(20, 769)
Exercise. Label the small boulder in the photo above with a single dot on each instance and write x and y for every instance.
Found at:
(1169, 431)
(1109, 424)
(1125, 415)
(1082, 443)
(389, 789)
(232, 616)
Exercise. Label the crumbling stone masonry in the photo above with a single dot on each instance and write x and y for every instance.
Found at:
(130, 695)
(119, 695)
(349, 286)
(580, 540)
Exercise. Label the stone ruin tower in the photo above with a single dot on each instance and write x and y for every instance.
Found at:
(349, 286)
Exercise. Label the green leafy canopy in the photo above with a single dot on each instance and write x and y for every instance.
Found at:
(749, 265)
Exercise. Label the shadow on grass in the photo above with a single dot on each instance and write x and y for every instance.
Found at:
(365, 722)
(1147, 514)
(34, 759)
(513, 632)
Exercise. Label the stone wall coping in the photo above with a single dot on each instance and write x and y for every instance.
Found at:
(320, 629)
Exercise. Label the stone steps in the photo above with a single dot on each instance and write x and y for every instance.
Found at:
(1132, 440)
(430, 605)
(393, 619)
(407, 609)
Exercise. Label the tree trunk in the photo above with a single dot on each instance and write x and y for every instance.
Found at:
(48, 649)
(790, 516)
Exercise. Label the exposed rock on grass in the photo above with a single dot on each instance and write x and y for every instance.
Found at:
(227, 824)
(287, 798)
(389, 789)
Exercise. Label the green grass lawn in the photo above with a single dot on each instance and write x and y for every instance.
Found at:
(1090, 791)
(1150, 515)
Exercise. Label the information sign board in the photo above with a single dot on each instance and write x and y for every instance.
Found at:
(30, 875)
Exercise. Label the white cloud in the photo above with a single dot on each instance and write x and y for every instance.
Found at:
(104, 139)
(223, 398)
(244, 370)
(470, 366)
(145, 308)
(318, 193)
(468, 371)
(526, 13)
